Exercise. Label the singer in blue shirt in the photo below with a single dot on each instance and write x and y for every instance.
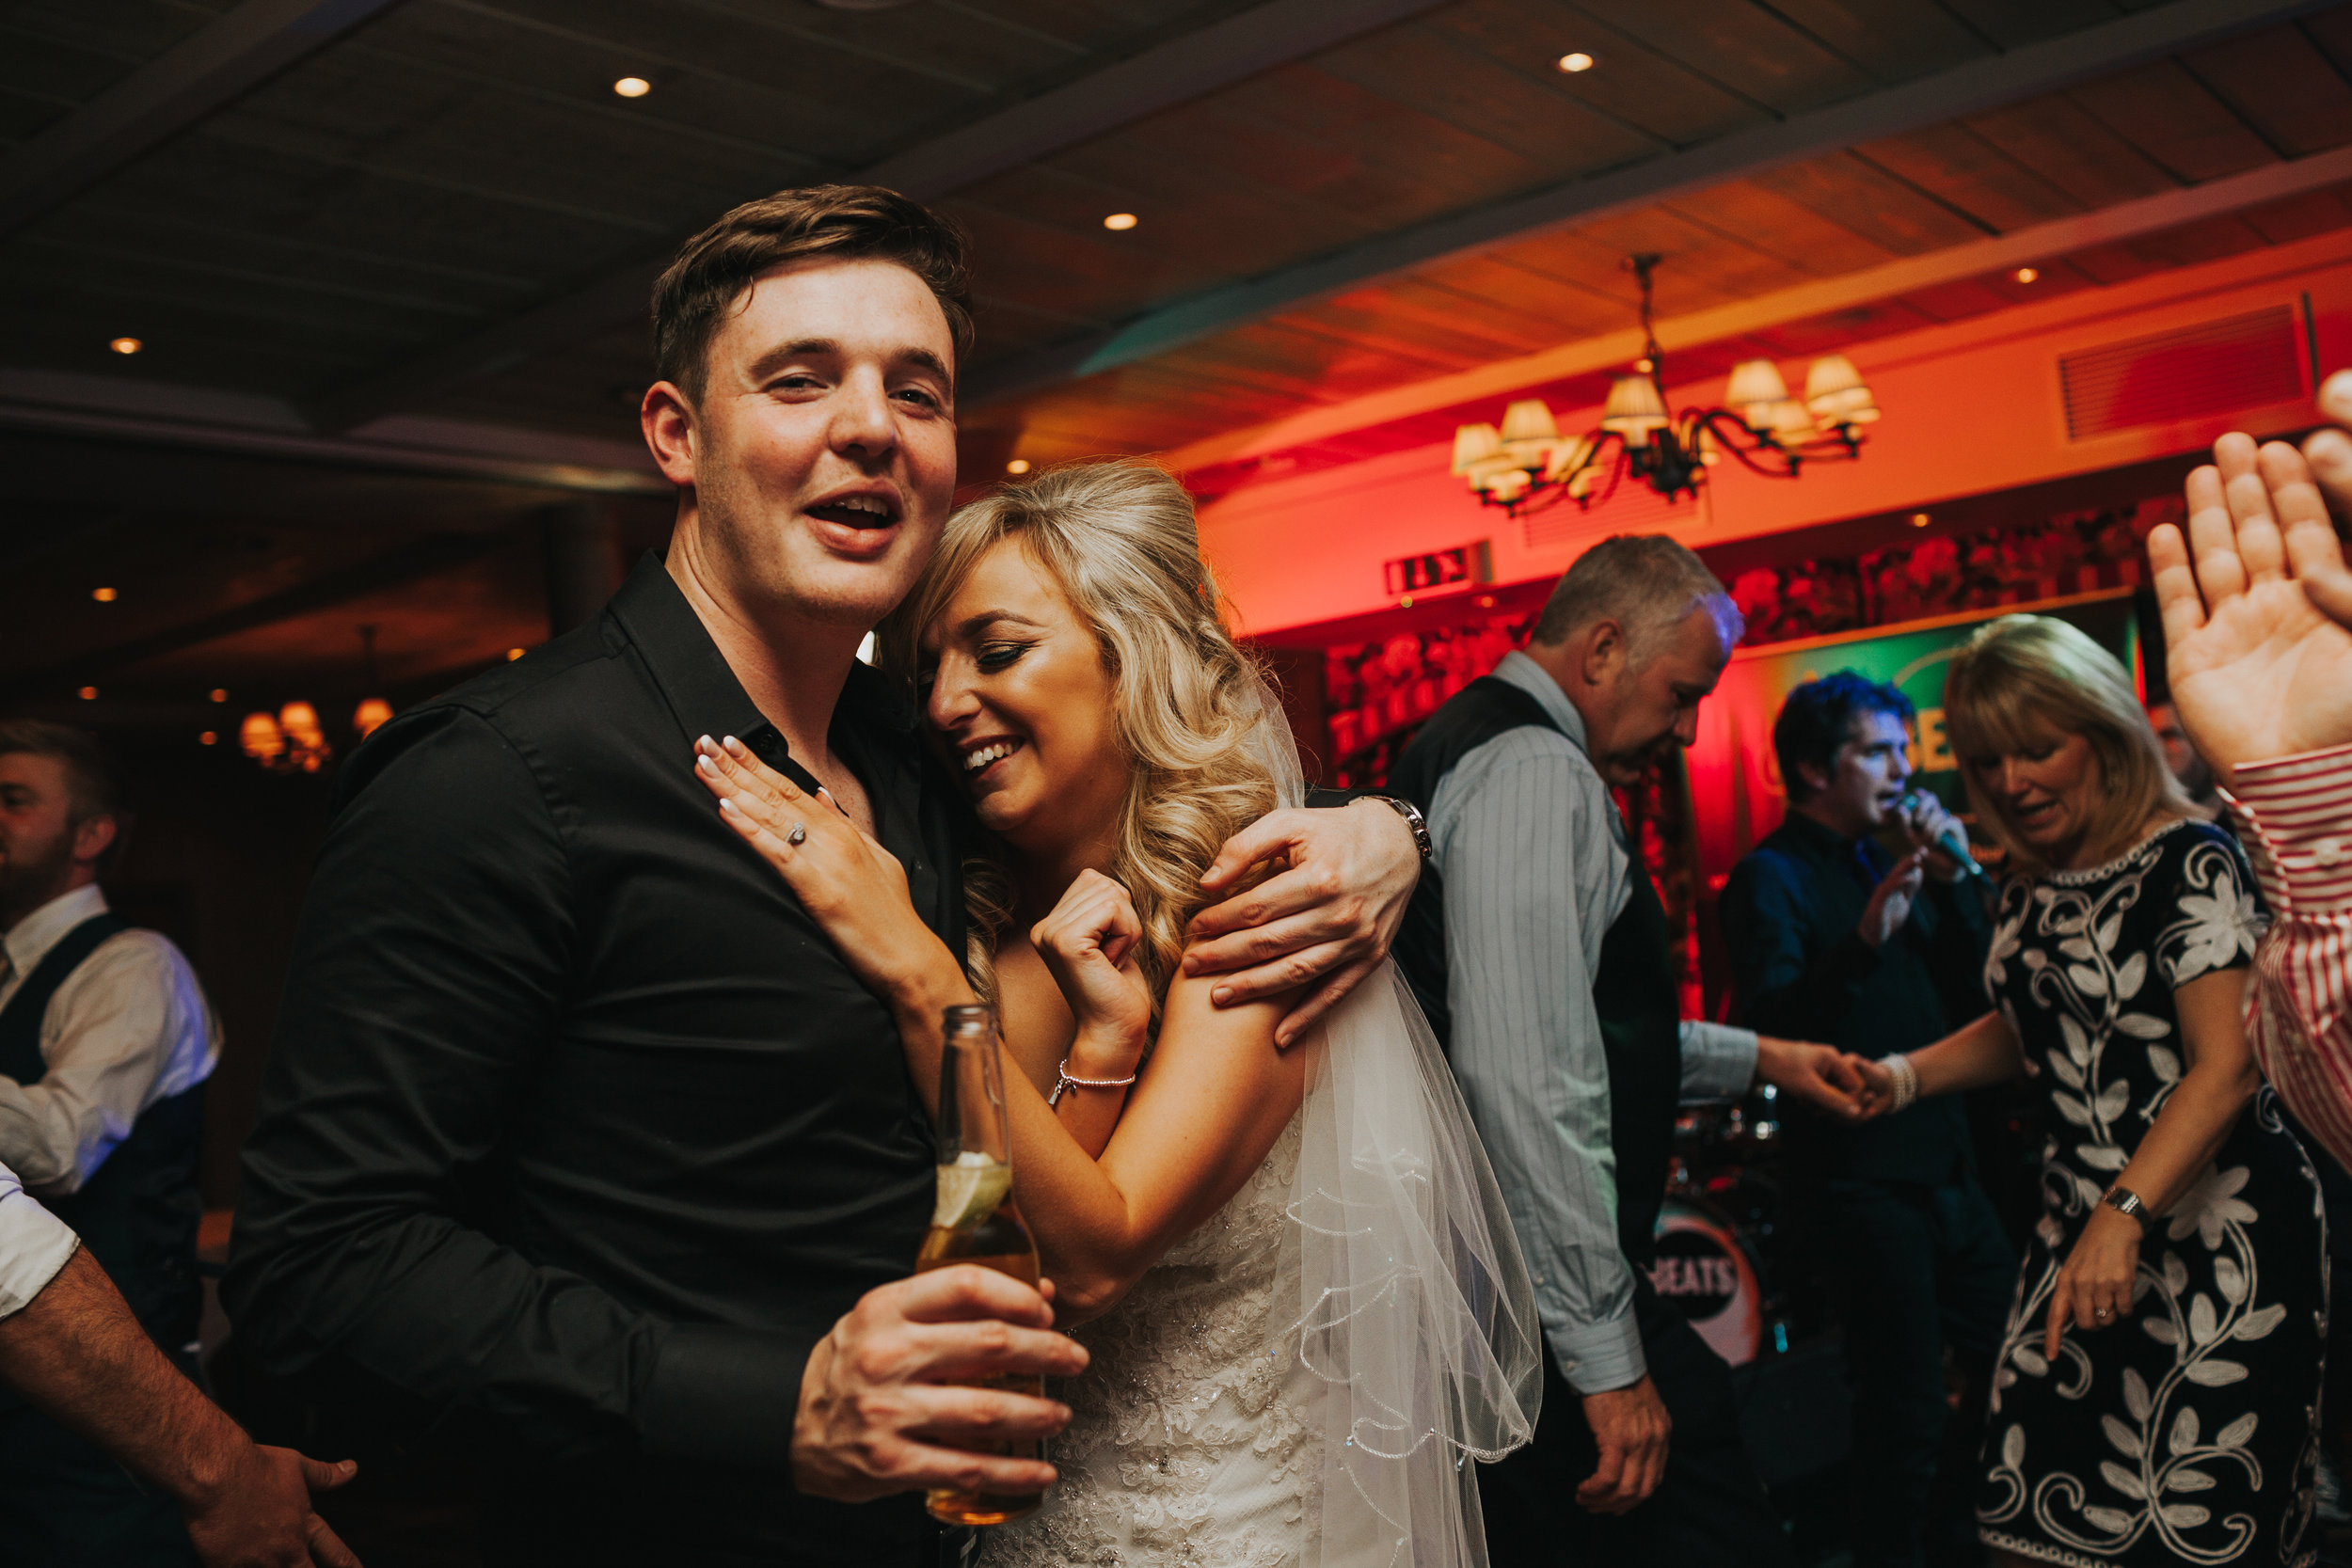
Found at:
(1834, 938)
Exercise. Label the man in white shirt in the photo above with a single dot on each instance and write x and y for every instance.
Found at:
(105, 1040)
(70, 1346)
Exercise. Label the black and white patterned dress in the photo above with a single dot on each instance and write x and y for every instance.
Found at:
(2186, 1433)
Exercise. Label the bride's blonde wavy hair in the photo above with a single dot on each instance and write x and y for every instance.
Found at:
(1120, 540)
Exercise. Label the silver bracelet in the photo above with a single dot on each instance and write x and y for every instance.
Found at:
(1906, 1082)
(1064, 1083)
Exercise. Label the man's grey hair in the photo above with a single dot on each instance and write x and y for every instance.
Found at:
(1646, 583)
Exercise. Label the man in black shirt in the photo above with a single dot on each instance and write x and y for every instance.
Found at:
(579, 1141)
(1832, 939)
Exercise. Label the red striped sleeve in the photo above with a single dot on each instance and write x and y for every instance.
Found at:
(2297, 815)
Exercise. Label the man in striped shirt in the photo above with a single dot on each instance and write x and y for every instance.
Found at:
(2258, 633)
(1538, 948)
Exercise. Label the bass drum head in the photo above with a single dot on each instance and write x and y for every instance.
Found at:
(1704, 1269)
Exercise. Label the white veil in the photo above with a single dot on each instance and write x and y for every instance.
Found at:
(1403, 1309)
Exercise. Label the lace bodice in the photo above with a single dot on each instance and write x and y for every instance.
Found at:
(1180, 1449)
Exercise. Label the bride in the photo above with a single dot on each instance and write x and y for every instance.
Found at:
(1305, 1305)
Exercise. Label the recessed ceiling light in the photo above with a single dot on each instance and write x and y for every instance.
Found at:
(1120, 220)
(2025, 274)
(513, 654)
(220, 693)
(1920, 519)
(632, 86)
(103, 595)
(1018, 465)
(209, 738)
(126, 345)
(88, 693)
(1574, 63)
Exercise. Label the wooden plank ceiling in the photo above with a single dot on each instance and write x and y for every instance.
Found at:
(2276, 94)
(448, 165)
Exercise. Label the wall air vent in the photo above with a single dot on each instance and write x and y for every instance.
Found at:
(2238, 362)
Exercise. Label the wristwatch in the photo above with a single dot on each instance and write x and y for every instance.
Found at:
(2125, 1201)
(1413, 819)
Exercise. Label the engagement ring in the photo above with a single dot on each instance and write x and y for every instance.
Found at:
(797, 836)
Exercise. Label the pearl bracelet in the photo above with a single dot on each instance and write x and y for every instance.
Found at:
(1064, 1083)
(1906, 1082)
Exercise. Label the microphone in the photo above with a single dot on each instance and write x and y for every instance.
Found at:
(1953, 840)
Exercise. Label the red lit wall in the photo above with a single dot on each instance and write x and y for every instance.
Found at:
(1971, 408)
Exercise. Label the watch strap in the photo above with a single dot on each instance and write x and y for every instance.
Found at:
(2127, 1203)
(1413, 819)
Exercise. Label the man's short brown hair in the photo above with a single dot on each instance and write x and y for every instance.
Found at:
(847, 221)
(94, 788)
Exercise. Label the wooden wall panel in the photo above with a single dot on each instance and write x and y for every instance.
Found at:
(2066, 144)
(1968, 173)
(1634, 82)
(1471, 91)
(2300, 218)
(1893, 39)
(2169, 116)
(2280, 84)
(1748, 213)
(2012, 22)
(1572, 308)
(1853, 192)
(1743, 48)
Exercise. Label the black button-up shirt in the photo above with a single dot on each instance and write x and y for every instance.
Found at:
(1800, 970)
(577, 1134)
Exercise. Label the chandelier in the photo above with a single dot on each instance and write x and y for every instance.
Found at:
(1527, 465)
(291, 740)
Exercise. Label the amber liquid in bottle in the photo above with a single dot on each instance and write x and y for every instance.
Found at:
(1002, 1242)
(975, 1221)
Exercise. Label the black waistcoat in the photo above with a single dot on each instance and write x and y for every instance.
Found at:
(1634, 988)
(138, 1213)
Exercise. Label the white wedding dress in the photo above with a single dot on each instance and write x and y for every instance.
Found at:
(1181, 1447)
(1305, 1381)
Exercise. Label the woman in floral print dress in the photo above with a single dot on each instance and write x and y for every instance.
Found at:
(2156, 1396)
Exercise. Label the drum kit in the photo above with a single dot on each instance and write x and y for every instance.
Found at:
(1720, 1223)
(1731, 1259)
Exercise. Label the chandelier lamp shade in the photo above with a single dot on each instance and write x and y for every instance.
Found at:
(288, 741)
(291, 740)
(1526, 464)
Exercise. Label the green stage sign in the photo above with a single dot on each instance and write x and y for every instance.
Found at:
(1736, 792)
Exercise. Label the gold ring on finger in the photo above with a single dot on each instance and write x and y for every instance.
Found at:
(798, 836)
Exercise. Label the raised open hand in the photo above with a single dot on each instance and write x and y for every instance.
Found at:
(2257, 670)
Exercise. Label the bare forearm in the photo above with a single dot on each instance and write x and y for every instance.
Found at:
(1984, 1053)
(1198, 1124)
(78, 1355)
(1088, 1238)
(2196, 1120)
(2205, 1104)
(1089, 1111)
(919, 996)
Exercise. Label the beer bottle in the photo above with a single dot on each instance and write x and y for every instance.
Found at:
(974, 1221)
